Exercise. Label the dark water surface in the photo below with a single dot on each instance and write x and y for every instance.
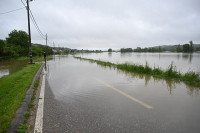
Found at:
(10, 66)
(91, 98)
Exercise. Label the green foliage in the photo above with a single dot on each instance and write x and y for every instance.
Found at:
(191, 46)
(186, 48)
(197, 49)
(30, 105)
(191, 78)
(158, 49)
(16, 45)
(18, 40)
(22, 128)
(126, 50)
(179, 48)
(38, 50)
(109, 50)
(66, 52)
(2, 44)
(27, 114)
(13, 89)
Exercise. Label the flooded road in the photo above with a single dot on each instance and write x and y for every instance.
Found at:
(184, 62)
(85, 97)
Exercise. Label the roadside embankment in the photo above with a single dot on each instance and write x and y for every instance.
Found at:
(13, 89)
(189, 78)
(35, 58)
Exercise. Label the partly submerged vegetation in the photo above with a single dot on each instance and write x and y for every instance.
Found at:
(190, 78)
(13, 89)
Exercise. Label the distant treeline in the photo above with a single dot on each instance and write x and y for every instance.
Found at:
(175, 48)
(16, 45)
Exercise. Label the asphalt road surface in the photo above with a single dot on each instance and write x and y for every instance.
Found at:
(82, 97)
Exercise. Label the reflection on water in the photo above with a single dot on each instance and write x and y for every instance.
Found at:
(170, 84)
(109, 54)
(11, 66)
(187, 57)
(175, 105)
(183, 61)
(4, 72)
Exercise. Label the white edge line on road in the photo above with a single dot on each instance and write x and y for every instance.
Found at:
(39, 115)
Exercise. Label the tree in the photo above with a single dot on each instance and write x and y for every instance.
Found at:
(20, 40)
(109, 50)
(160, 49)
(138, 49)
(186, 48)
(191, 46)
(197, 49)
(2, 44)
(179, 49)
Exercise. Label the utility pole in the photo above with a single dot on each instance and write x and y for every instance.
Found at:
(29, 32)
(46, 42)
(46, 53)
(53, 48)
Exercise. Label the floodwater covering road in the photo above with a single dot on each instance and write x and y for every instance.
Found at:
(84, 97)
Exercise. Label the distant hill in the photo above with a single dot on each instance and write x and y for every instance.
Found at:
(172, 47)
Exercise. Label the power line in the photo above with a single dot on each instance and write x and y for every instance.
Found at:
(23, 3)
(36, 26)
(34, 22)
(12, 11)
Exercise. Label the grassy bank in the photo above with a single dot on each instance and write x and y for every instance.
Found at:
(23, 128)
(12, 92)
(35, 58)
(190, 78)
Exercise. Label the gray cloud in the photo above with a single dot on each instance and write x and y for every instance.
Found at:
(103, 24)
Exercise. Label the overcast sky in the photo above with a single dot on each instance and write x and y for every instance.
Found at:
(102, 24)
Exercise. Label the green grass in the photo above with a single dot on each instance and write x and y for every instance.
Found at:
(41, 58)
(189, 78)
(35, 58)
(24, 127)
(12, 92)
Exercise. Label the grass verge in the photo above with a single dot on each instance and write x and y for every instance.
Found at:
(189, 78)
(35, 58)
(24, 127)
(13, 89)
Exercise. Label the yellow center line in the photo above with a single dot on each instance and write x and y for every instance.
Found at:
(123, 93)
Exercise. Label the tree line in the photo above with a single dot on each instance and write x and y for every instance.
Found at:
(16, 45)
(186, 48)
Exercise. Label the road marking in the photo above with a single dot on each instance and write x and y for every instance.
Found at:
(39, 116)
(126, 95)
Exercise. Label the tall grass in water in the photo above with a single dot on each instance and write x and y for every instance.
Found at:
(190, 78)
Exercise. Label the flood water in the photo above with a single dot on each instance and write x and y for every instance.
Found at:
(184, 62)
(10, 66)
(94, 99)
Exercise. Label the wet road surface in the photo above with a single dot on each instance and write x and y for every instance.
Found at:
(84, 97)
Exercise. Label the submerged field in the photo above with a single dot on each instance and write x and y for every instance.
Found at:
(184, 62)
(190, 78)
(13, 88)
